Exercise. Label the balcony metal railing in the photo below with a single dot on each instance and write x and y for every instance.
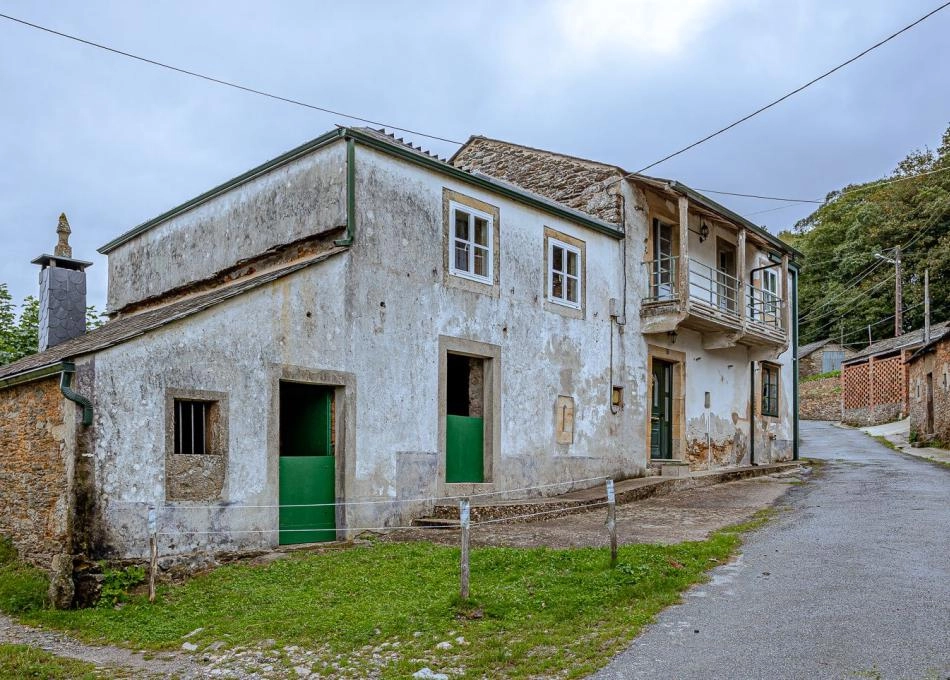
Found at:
(713, 288)
(662, 278)
(765, 308)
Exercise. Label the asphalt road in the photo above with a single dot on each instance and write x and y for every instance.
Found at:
(852, 580)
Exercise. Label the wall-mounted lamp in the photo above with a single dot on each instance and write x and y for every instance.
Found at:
(671, 335)
(703, 231)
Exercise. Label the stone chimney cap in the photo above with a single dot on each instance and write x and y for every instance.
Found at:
(63, 249)
(47, 260)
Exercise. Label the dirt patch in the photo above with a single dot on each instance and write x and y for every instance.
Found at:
(690, 515)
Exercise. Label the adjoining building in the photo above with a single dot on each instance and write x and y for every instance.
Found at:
(874, 381)
(336, 338)
(928, 375)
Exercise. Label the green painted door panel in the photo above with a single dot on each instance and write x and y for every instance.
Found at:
(307, 480)
(464, 449)
(661, 411)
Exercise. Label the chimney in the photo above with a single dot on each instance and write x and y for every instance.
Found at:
(62, 292)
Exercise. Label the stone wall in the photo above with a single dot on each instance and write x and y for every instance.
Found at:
(813, 363)
(571, 181)
(34, 470)
(820, 399)
(936, 363)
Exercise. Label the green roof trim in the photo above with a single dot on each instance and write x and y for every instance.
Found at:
(393, 148)
(34, 374)
(283, 159)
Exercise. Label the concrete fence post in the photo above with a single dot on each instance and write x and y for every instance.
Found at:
(153, 551)
(465, 522)
(612, 522)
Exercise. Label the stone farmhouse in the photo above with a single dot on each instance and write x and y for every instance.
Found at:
(928, 378)
(329, 341)
(822, 356)
(874, 382)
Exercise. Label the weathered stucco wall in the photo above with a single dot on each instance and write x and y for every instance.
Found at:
(936, 363)
(35, 469)
(820, 399)
(304, 197)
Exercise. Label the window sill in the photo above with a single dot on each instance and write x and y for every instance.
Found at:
(563, 309)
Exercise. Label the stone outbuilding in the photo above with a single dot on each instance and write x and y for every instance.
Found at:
(928, 376)
(874, 382)
(335, 339)
(822, 356)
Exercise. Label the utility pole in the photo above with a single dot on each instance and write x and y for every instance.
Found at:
(898, 290)
(926, 306)
(898, 295)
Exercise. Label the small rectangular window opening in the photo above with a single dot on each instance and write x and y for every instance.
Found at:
(769, 390)
(471, 243)
(191, 426)
(564, 279)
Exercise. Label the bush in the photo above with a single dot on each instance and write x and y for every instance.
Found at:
(117, 583)
(22, 587)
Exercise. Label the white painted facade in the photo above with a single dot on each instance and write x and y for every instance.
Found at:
(371, 321)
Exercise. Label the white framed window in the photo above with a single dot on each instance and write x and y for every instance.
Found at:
(470, 243)
(564, 274)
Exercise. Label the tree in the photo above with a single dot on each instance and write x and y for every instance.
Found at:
(844, 287)
(19, 335)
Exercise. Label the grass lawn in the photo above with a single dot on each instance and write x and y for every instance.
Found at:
(385, 608)
(22, 662)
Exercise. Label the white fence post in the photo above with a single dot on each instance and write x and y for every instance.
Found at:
(612, 521)
(465, 521)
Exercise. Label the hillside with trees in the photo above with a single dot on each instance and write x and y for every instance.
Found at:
(845, 287)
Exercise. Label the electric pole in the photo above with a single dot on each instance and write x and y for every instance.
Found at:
(926, 306)
(898, 295)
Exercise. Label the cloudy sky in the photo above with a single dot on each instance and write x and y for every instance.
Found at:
(113, 142)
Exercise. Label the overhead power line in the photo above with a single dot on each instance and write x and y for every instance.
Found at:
(226, 83)
(795, 91)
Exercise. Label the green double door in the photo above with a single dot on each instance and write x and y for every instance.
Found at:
(307, 484)
(661, 411)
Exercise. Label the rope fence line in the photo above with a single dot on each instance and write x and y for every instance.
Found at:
(431, 499)
(536, 514)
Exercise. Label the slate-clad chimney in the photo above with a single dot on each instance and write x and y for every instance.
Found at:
(62, 291)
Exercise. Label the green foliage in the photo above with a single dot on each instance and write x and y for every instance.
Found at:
(117, 584)
(24, 662)
(22, 588)
(534, 612)
(19, 333)
(822, 376)
(841, 238)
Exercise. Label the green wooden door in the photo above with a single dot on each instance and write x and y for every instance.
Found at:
(464, 449)
(307, 485)
(661, 411)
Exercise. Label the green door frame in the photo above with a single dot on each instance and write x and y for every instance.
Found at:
(661, 410)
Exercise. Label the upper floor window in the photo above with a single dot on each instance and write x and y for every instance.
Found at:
(471, 246)
(192, 421)
(564, 273)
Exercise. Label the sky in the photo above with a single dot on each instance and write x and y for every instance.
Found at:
(113, 142)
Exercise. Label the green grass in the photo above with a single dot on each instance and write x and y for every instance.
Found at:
(886, 442)
(21, 662)
(821, 376)
(533, 612)
(22, 587)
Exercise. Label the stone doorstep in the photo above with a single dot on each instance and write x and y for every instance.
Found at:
(626, 491)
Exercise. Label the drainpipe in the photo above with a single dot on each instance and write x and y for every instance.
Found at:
(68, 370)
(794, 272)
(751, 413)
(350, 194)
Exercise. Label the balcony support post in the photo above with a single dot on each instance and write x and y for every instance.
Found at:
(786, 308)
(682, 274)
(742, 293)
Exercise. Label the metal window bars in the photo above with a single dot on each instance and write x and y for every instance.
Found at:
(714, 288)
(662, 278)
(765, 308)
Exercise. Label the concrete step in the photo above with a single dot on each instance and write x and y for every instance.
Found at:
(444, 522)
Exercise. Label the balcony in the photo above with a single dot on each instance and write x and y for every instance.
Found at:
(713, 305)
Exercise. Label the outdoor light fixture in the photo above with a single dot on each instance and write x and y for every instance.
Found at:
(672, 337)
(703, 231)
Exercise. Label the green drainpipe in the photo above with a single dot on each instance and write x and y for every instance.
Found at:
(68, 370)
(794, 271)
(350, 194)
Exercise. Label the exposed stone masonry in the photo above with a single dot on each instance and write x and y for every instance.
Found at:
(820, 399)
(573, 182)
(936, 363)
(33, 470)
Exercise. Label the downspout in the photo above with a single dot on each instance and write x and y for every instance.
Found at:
(68, 370)
(350, 194)
(794, 272)
(751, 413)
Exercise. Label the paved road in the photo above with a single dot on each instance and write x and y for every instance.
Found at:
(851, 581)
